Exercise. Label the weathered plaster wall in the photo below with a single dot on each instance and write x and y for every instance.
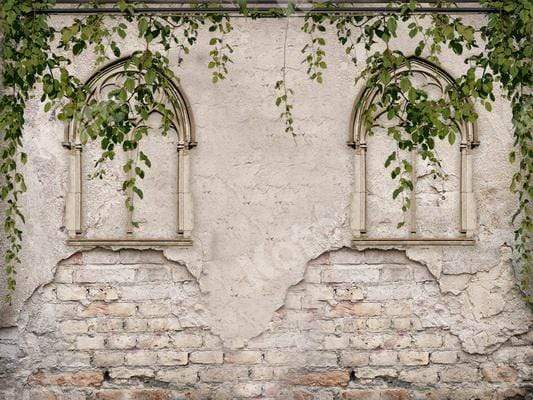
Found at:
(265, 205)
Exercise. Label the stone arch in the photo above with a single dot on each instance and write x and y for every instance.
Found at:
(439, 78)
(113, 75)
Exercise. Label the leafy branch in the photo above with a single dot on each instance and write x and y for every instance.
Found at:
(283, 92)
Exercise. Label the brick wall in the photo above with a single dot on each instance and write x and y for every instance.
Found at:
(360, 325)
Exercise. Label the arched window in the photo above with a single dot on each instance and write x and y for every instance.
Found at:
(439, 213)
(95, 209)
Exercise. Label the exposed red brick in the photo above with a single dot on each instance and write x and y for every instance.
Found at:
(326, 378)
(83, 378)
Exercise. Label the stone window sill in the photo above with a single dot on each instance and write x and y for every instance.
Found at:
(364, 241)
(87, 242)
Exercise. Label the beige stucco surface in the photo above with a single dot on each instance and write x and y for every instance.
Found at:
(265, 203)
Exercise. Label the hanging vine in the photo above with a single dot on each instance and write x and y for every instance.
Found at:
(36, 56)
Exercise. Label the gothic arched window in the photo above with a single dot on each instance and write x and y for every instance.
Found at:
(441, 211)
(95, 209)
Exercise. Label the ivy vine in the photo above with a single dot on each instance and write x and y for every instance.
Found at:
(36, 57)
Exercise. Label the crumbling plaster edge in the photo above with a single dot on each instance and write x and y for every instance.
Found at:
(414, 253)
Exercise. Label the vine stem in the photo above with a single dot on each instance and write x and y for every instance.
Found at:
(281, 85)
(284, 68)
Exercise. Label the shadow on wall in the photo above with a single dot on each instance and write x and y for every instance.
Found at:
(131, 325)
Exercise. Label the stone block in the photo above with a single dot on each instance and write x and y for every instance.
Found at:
(102, 293)
(401, 324)
(345, 309)
(352, 294)
(103, 274)
(71, 293)
(392, 291)
(332, 342)
(141, 358)
(81, 378)
(414, 357)
(89, 342)
(460, 373)
(224, 374)
(153, 341)
(152, 273)
(172, 357)
(499, 374)
(384, 357)
(182, 340)
(107, 325)
(428, 340)
(378, 324)
(354, 359)
(330, 378)
(444, 357)
(396, 273)
(400, 308)
(108, 359)
(121, 341)
(179, 376)
(351, 274)
(100, 256)
(128, 373)
(99, 309)
(131, 256)
(248, 390)
(207, 357)
(243, 357)
(145, 292)
(74, 327)
(423, 376)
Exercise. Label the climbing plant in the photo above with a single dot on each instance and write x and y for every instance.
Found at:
(36, 57)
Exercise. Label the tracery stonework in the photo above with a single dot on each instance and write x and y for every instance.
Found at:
(168, 220)
(448, 224)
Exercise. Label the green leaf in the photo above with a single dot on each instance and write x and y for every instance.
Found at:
(397, 192)
(138, 192)
(142, 26)
(150, 76)
(405, 84)
(390, 159)
(451, 137)
(392, 25)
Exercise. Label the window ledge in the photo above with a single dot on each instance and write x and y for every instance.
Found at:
(86, 242)
(363, 241)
